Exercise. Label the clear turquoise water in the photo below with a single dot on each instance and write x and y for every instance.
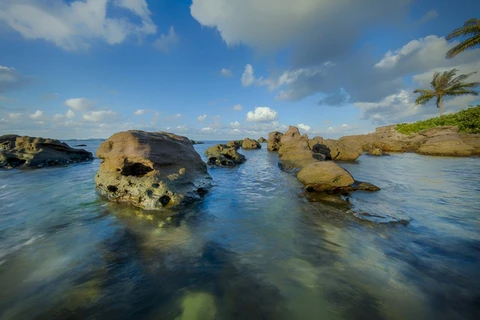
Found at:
(254, 248)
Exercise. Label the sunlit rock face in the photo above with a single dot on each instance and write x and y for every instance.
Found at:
(250, 144)
(151, 170)
(224, 156)
(33, 152)
(273, 141)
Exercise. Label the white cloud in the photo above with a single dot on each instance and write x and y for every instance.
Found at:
(208, 129)
(79, 104)
(304, 25)
(235, 124)
(14, 116)
(58, 117)
(178, 115)
(262, 114)
(237, 107)
(70, 114)
(201, 118)
(139, 112)
(304, 127)
(98, 116)
(36, 115)
(248, 77)
(167, 42)
(73, 25)
(10, 79)
(226, 73)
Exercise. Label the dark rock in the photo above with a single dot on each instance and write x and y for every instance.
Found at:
(17, 151)
(224, 155)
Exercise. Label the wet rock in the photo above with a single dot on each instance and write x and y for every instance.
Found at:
(249, 144)
(151, 170)
(365, 186)
(376, 152)
(80, 145)
(324, 176)
(224, 155)
(196, 142)
(33, 152)
(379, 219)
(262, 140)
(274, 140)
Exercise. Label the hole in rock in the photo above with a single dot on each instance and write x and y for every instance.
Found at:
(202, 191)
(164, 200)
(112, 188)
(135, 169)
(15, 161)
(212, 161)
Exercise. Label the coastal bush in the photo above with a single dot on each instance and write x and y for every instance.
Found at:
(467, 121)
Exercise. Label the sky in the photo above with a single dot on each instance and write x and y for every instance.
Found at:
(224, 69)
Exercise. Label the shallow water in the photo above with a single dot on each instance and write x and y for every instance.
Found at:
(254, 248)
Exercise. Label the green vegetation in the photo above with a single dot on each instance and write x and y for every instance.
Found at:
(468, 121)
(446, 84)
(470, 28)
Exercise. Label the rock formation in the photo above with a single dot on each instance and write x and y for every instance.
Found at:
(274, 141)
(17, 151)
(262, 140)
(250, 144)
(224, 155)
(151, 170)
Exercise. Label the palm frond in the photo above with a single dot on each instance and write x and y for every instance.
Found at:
(461, 77)
(463, 92)
(471, 27)
(464, 45)
(424, 91)
(424, 98)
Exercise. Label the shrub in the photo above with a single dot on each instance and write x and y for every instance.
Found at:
(467, 121)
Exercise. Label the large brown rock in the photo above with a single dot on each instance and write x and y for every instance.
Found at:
(324, 176)
(446, 145)
(151, 170)
(250, 144)
(274, 140)
(224, 155)
(334, 149)
(293, 141)
(17, 151)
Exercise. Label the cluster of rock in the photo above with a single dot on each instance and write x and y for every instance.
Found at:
(439, 141)
(151, 170)
(225, 155)
(24, 151)
(312, 160)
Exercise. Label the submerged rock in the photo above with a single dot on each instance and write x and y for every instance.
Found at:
(224, 155)
(250, 144)
(151, 170)
(17, 151)
(274, 141)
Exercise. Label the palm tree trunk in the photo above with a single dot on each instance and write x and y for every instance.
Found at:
(440, 105)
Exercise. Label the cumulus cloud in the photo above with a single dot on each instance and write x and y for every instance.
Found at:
(306, 24)
(74, 25)
(304, 127)
(226, 73)
(14, 115)
(139, 112)
(36, 115)
(58, 117)
(98, 116)
(262, 114)
(248, 77)
(70, 114)
(235, 124)
(79, 104)
(11, 79)
(201, 118)
(237, 107)
(167, 42)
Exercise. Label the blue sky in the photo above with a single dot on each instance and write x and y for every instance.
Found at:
(223, 69)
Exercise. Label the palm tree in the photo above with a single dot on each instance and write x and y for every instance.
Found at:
(446, 84)
(470, 28)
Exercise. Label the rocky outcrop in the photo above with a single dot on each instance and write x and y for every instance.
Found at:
(196, 142)
(151, 170)
(235, 144)
(274, 141)
(249, 144)
(224, 155)
(376, 152)
(334, 149)
(308, 156)
(444, 141)
(33, 152)
(262, 140)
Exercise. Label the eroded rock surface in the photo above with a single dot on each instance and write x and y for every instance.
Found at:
(274, 141)
(224, 155)
(151, 170)
(249, 144)
(25, 151)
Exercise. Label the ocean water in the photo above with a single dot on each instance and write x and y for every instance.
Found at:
(254, 248)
